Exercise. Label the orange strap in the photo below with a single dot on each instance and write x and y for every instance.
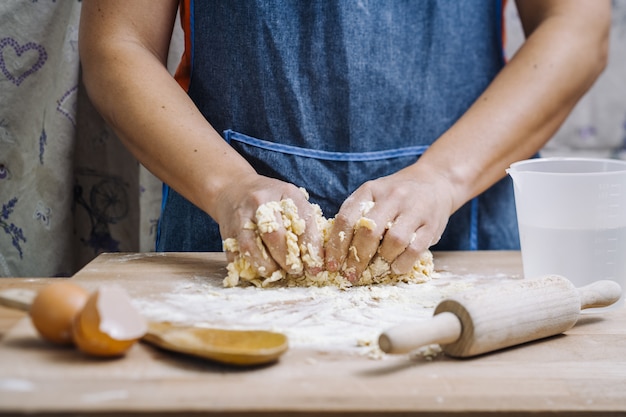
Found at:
(183, 71)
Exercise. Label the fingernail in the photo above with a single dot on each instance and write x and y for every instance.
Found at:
(315, 270)
(332, 265)
(350, 275)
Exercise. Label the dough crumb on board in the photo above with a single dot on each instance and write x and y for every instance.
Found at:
(241, 272)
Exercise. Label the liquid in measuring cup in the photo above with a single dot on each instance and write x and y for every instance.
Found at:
(571, 214)
(582, 256)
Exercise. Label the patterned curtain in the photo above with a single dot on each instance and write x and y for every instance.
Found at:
(69, 190)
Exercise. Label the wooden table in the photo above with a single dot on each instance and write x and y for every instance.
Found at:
(580, 373)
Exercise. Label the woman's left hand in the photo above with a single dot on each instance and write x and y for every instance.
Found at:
(408, 215)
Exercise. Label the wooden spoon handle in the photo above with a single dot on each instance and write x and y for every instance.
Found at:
(17, 298)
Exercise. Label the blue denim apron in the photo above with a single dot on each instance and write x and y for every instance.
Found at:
(329, 94)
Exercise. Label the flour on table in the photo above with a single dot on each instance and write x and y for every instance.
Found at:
(240, 271)
(322, 319)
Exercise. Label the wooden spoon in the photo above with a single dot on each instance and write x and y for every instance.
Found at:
(233, 347)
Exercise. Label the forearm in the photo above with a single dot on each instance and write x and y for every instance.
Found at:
(131, 87)
(524, 105)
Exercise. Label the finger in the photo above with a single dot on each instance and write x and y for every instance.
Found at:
(230, 245)
(398, 236)
(418, 243)
(364, 246)
(368, 233)
(311, 242)
(241, 240)
(230, 254)
(282, 244)
(339, 239)
(253, 249)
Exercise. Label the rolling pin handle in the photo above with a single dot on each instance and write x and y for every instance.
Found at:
(601, 293)
(443, 328)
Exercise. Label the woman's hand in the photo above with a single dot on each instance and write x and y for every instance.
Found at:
(236, 209)
(409, 215)
(565, 51)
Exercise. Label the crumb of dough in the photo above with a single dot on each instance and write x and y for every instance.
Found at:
(428, 352)
(231, 245)
(364, 342)
(366, 206)
(366, 223)
(241, 272)
(375, 353)
(354, 253)
(266, 221)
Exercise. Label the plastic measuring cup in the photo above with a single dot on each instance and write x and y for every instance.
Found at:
(571, 214)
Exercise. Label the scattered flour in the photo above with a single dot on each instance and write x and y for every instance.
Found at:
(324, 319)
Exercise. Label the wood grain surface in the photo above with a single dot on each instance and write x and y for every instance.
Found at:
(582, 372)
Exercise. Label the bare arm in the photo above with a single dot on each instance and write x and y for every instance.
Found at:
(123, 48)
(565, 51)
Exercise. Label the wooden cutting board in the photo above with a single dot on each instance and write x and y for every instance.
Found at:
(582, 371)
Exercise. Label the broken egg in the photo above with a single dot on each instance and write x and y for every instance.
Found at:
(108, 324)
(54, 308)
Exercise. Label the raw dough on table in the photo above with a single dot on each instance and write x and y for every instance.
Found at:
(241, 272)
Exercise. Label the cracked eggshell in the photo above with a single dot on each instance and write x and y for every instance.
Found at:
(108, 325)
(54, 308)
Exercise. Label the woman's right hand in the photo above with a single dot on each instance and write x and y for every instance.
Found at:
(235, 211)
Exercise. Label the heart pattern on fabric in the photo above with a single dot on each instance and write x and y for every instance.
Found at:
(25, 63)
(66, 105)
(4, 172)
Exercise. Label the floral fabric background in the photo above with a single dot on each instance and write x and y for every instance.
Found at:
(68, 188)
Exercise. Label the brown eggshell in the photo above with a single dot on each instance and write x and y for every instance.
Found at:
(54, 308)
(108, 325)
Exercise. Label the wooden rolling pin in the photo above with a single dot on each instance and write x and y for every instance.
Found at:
(487, 319)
